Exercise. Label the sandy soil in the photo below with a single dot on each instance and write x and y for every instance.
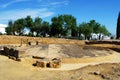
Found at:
(5, 39)
(24, 70)
(77, 62)
(62, 51)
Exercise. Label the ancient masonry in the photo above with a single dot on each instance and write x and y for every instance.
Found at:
(42, 62)
(48, 63)
(12, 53)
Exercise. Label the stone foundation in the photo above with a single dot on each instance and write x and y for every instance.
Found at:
(13, 53)
(47, 63)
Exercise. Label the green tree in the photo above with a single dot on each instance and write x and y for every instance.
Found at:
(95, 25)
(85, 29)
(64, 25)
(19, 26)
(15, 28)
(9, 28)
(96, 28)
(118, 27)
(92, 27)
(70, 24)
(45, 28)
(37, 25)
(56, 27)
(30, 24)
(104, 31)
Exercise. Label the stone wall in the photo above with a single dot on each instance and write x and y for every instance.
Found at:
(48, 63)
(117, 42)
(13, 53)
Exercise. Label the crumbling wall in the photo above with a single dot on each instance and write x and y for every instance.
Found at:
(49, 63)
(13, 53)
(117, 42)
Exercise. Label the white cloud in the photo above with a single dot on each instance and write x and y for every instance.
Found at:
(42, 10)
(12, 2)
(60, 3)
(55, 3)
(16, 14)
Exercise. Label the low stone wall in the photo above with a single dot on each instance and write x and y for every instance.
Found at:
(47, 63)
(13, 53)
(6, 51)
(117, 42)
(55, 63)
(33, 43)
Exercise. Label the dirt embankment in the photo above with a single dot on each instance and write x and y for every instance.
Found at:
(105, 67)
(10, 69)
(4, 39)
(105, 71)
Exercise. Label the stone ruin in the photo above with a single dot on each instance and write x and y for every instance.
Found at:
(48, 63)
(33, 43)
(42, 62)
(13, 53)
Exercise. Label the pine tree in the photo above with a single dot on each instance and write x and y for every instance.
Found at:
(118, 27)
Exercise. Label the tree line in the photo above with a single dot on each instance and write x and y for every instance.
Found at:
(92, 27)
(17, 27)
(61, 25)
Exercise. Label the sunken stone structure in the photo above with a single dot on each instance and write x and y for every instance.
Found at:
(13, 53)
(48, 63)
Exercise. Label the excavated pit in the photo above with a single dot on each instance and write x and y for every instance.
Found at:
(59, 51)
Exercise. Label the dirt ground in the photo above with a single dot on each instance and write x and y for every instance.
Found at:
(62, 51)
(4, 39)
(79, 62)
(100, 70)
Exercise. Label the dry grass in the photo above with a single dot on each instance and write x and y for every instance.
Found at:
(17, 40)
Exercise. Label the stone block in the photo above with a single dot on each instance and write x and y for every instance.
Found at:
(41, 64)
(6, 51)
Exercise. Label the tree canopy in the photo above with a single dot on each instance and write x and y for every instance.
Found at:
(9, 29)
(64, 24)
(61, 25)
(92, 27)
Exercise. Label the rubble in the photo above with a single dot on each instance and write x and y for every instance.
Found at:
(96, 73)
(13, 53)
(49, 63)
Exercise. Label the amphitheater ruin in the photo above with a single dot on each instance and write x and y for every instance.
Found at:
(57, 53)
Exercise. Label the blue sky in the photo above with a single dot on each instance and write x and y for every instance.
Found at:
(103, 11)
